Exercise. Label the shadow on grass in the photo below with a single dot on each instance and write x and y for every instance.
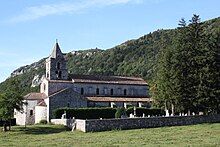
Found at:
(41, 129)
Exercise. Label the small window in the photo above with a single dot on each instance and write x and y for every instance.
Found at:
(112, 92)
(68, 104)
(82, 91)
(31, 113)
(44, 87)
(60, 74)
(58, 65)
(97, 91)
(125, 91)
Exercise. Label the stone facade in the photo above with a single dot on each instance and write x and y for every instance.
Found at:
(65, 98)
(40, 113)
(138, 123)
(28, 117)
(59, 89)
(56, 65)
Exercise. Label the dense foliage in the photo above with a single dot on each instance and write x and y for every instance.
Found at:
(96, 113)
(181, 65)
(85, 113)
(9, 101)
(188, 74)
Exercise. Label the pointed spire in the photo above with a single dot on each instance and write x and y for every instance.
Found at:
(56, 51)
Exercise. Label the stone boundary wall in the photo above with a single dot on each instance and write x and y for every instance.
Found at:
(65, 122)
(96, 125)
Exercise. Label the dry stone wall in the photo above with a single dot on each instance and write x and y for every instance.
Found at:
(137, 123)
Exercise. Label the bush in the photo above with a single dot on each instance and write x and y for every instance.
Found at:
(85, 113)
(43, 122)
(96, 113)
(12, 122)
(120, 112)
(146, 111)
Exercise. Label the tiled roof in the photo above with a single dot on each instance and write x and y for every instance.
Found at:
(118, 99)
(42, 103)
(35, 96)
(96, 79)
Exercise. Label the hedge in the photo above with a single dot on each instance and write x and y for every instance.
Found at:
(96, 113)
(13, 122)
(86, 113)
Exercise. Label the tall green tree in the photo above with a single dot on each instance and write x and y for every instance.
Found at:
(188, 72)
(8, 102)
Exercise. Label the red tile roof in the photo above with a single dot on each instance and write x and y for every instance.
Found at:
(42, 103)
(96, 79)
(35, 96)
(118, 99)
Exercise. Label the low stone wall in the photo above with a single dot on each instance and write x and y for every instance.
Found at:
(65, 122)
(96, 125)
(81, 125)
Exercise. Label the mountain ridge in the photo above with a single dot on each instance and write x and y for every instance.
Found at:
(136, 57)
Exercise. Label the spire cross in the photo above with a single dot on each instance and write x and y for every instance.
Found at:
(56, 40)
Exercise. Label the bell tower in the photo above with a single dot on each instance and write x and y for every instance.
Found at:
(56, 65)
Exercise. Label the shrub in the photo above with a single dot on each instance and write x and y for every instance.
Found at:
(85, 113)
(12, 122)
(120, 112)
(96, 113)
(43, 122)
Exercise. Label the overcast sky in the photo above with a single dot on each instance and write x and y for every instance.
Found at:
(29, 28)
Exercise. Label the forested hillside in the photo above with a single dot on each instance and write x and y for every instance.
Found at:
(138, 57)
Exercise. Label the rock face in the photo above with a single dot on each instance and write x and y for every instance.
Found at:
(37, 80)
(27, 68)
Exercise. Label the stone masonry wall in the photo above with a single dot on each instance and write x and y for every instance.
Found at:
(137, 123)
(66, 98)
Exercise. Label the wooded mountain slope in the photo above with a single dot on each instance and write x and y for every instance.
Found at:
(136, 57)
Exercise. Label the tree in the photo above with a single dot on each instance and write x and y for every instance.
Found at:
(188, 71)
(8, 102)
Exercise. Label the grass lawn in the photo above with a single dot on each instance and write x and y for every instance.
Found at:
(53, 135)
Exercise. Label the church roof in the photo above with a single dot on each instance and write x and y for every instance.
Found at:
(35, 96)
(56, 51)
(118, 99)
(42, 103)
(97, 79)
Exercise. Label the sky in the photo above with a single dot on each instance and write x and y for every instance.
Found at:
(28, 29)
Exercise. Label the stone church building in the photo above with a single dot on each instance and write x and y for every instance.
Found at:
(61, 89)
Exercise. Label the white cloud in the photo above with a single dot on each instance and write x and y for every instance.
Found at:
(36, 12)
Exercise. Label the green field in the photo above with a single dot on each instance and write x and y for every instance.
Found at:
(52, 135)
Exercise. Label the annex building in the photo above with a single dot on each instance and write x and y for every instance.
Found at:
(60, 89)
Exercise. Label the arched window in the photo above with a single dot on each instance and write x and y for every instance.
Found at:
(112, 92)
(60, 74)
(47, 76)
(97, 91)
(31, 112)
(44, 87)
(82, 91)
(125, 91)
(58, 65)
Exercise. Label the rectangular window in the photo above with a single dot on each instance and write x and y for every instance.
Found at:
(112, 92)
(31, 112)
(125, 91)
(82, 91)
(97, 91)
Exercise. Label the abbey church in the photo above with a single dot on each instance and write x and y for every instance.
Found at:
(61, 89)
